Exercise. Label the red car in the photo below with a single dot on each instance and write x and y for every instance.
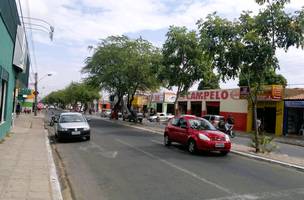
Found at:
(197, 134)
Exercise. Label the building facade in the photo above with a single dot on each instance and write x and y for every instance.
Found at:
(13, 61)
(224, 102)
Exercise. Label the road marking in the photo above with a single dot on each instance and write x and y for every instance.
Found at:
(55, 185)
(157, 141)
(101, 151)
(192, 174)
(264, 195)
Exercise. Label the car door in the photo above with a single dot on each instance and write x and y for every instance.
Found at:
(182, 131)
(172, 129)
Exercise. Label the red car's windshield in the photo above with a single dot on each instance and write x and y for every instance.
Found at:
(201, 124)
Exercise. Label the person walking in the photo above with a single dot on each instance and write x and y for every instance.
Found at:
(18, 109)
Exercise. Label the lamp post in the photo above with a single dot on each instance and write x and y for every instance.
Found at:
(36, 92)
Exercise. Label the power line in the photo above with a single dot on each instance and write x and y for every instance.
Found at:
(32, 37)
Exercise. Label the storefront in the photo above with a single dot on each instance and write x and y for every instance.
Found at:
(217, 102)
(294, 117)
(162, 102)
(294, 111)
(140, 103)
(270, 110)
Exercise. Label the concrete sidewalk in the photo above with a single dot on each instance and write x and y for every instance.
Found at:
(289, 154)
(25, 162)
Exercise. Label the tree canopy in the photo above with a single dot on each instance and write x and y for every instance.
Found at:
(183, 60)
(124, 66)
(247, 46)
(73, 94)
(209, 82)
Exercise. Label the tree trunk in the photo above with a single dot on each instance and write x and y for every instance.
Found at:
(176, 110)
(256, 128)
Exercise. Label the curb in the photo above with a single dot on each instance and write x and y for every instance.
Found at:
(284, 164)
(55, 186)
(248, 155)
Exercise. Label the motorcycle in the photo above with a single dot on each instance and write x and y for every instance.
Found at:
(226, 128)
(229, 131)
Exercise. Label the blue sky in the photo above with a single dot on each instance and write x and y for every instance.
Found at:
(80, 23)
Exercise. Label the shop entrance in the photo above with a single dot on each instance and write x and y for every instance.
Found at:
(159, 107)
(267, 115)
(170, 108)
(295, 120)
(182, 107)
(213, 107)
(196, 108)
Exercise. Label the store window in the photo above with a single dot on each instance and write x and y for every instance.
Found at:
(3, 99)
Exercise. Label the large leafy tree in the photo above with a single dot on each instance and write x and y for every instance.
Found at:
(183, 60)
(271, 78)
(247, 46)
(123, 66)
(212, 81)
(73, 94)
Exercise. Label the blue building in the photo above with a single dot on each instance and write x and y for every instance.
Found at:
(14, 62)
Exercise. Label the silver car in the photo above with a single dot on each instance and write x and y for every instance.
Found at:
(72, 125)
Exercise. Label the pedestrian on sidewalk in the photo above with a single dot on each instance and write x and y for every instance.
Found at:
(18, 109)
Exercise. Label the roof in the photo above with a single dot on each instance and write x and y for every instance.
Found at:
(294, 94)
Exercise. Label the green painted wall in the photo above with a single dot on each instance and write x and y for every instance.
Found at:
(6, 55)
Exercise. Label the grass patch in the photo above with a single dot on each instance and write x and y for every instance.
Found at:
(2, 140)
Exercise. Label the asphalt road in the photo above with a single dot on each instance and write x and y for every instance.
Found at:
(128, 164)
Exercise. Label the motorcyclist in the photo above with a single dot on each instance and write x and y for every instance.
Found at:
(229, 122)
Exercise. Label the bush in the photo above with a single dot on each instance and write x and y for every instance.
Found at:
(266, 143)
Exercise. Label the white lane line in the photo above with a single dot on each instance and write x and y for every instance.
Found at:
(99, 150)
(157, 141)
(192, 174)
(265, 195)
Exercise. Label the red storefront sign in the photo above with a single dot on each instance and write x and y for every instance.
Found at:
(212, 95)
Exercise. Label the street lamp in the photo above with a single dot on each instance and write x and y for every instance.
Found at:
(36, 88)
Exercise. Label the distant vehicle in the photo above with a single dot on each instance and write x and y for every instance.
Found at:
(214, 119)
(161, 117)
(136, 117)
(72, 125)
(106, 113)
(197, 134)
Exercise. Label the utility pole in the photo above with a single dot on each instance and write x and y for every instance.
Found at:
(36, 94)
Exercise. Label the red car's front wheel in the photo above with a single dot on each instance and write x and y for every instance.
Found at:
(192, 146)
(167, 142)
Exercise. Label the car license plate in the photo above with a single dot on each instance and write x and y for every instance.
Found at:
(76, 133)
(219, 145)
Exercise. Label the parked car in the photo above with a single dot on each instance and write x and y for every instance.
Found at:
(161, 117)
(197, 134)
(214, 119)
(72, 125)
(136, 117)
(105, 113)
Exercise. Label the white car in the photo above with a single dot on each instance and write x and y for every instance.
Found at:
(160, 117)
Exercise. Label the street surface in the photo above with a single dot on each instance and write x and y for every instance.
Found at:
(126, 163)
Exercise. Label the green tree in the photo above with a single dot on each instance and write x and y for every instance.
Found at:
(271, 78)
(210, 82)
(183, 60)
(248, 45)
(123, 67)
(73, 94)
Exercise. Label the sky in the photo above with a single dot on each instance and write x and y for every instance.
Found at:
(82, 23)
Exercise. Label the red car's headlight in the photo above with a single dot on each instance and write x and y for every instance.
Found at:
(203, 137)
